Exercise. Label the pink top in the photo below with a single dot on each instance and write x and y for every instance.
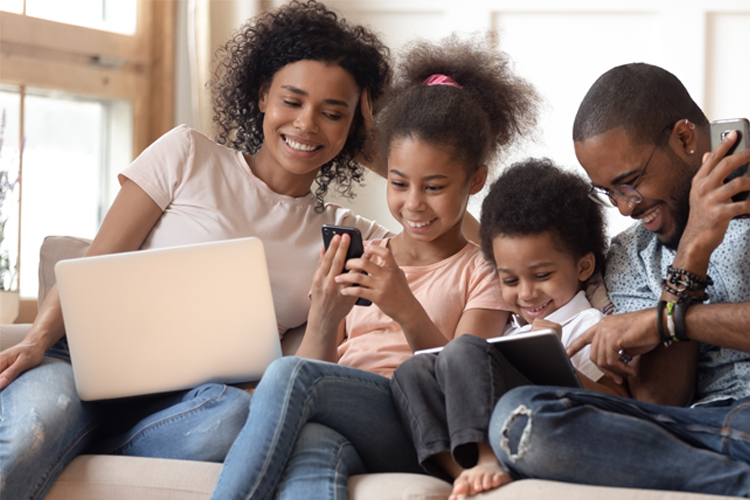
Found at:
(376, 343)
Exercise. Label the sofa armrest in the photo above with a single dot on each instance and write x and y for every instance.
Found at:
(53, 250)
(11, 335)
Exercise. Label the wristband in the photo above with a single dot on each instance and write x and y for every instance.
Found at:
(679, 319)
(670, 319)
(667, 341)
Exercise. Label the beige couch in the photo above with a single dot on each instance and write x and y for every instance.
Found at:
(125, 478)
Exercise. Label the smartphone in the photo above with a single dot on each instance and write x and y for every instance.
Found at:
(356, 247)
(719, 130)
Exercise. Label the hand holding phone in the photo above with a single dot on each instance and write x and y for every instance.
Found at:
(356, 247)
(719, 130)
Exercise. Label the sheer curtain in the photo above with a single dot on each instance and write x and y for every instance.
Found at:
(204, 26)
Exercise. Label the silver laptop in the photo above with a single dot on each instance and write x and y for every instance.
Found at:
(168, 319)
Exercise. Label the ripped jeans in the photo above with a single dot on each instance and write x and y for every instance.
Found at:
(586, 437)
(44, 425)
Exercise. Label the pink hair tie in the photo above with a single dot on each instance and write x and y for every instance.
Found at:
(441, 80)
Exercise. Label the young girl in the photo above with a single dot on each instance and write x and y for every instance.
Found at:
(291, 97)
(455, 107)
(546, 239)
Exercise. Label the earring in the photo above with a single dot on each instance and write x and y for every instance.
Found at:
(692, 125)
(692, 151)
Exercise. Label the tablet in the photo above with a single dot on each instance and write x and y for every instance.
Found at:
(538, 355)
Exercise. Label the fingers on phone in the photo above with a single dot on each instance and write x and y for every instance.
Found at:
(339, 258)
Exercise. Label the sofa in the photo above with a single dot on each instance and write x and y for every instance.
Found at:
(127, 478)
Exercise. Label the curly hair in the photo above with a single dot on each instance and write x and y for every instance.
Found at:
(491, 110)
(535, 196)
(294, 32)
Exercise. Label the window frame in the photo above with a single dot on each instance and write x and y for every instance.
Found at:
(139, 68)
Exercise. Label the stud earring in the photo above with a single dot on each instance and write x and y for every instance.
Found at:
(692, 151)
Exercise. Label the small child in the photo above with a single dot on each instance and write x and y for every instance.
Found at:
(546, 239)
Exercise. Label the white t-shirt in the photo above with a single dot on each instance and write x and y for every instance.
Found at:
(209, 193)
(575, 317)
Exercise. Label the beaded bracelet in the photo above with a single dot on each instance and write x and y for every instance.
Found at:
(681, 293)
(687, 281)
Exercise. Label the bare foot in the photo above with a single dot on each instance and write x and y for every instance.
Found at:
(479, 478)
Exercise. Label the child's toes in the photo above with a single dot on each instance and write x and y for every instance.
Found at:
(478, 484)
(460, 489)
(489, 481)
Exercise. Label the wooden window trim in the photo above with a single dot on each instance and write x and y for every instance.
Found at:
(76, 59)
(140, 68)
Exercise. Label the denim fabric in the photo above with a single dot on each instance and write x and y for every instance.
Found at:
(445, 400)
(294, 391)
(586, 437)
(636, 264)
(319, 466)
(44, 426)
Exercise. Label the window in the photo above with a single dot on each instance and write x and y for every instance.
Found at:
(73, 147)
(110, 15)
(85, 86)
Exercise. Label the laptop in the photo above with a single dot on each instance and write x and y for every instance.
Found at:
(538, 355)
(168, 319)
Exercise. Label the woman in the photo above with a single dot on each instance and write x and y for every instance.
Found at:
(291, 95)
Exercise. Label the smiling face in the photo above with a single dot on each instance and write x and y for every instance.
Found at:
(610, 159)
(308, 111)
(535, 276)
(428, 190)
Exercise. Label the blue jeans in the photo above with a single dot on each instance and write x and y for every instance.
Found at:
(580, 436)
(345, 401)
(44, 426)
(319, 466)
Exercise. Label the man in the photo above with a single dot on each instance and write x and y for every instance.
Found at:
(645, 145)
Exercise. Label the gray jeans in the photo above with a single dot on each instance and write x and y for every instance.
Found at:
(445, 400)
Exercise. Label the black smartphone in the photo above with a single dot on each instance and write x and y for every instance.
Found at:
(356, 247)
(719, 130)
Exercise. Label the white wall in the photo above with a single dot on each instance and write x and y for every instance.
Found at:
(562, 47)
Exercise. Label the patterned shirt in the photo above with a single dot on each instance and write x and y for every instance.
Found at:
(636, 264)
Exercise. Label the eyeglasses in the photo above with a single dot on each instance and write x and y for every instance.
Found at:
(626, 192)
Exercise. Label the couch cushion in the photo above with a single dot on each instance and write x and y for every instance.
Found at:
(54, 249)
(397, 487)
(537, 489)
(130, 478)
(11, 335)
(94, 477)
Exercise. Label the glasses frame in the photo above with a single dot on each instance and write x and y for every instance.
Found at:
(606, 197)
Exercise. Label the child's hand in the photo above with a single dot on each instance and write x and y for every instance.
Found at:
(329, 306)
(384, 284)
(543, 324)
